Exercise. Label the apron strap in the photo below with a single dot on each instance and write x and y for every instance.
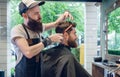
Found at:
(26, 30)
(30, 41)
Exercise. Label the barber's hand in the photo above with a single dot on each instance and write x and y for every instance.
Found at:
(64, 16)
(56, 38)
(67, 14)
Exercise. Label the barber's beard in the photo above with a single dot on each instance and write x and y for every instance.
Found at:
(72, 43)
(34, 25)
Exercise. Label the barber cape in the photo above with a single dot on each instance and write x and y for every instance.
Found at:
(60, 62)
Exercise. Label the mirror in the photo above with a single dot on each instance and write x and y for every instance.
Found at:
(113, 35)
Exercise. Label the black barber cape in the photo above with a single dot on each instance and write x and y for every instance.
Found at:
(60, 62)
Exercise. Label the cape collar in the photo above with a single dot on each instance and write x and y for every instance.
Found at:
(62, 45)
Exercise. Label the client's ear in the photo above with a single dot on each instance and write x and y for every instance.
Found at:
(65, 35)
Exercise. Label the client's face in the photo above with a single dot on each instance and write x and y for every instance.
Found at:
(72, 39)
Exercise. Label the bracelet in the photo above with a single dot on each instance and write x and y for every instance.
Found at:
(47, 41)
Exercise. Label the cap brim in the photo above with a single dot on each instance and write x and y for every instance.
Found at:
(36, 3)
(41, 3)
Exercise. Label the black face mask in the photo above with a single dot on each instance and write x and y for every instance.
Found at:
(34, 25)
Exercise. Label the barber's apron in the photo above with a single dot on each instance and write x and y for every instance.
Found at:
(29, 67)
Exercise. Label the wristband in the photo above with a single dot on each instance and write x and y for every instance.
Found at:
(47, 41)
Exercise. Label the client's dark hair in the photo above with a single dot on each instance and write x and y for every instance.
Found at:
(65, 26)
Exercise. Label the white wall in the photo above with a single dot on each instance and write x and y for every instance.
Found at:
(90, 34)
(3, 36)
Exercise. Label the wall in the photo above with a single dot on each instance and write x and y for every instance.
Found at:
(3, 36)
(90, 29)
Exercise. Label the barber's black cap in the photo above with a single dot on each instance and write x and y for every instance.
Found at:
(27, 4)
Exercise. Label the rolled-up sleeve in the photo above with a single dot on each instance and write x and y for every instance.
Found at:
(17, 31)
